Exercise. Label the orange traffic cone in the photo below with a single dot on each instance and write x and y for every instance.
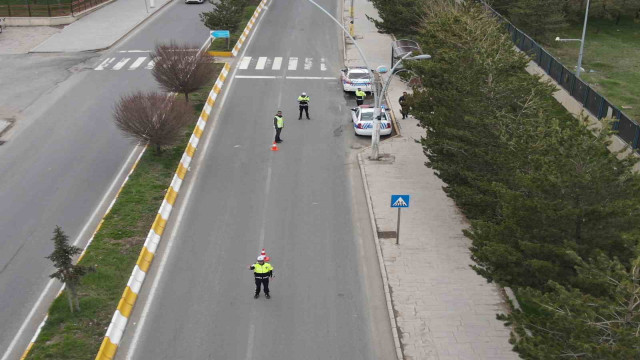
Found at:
(274, 147)
(263, 252)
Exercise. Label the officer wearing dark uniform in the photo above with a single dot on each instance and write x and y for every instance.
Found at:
(303, 104)
(262, 271)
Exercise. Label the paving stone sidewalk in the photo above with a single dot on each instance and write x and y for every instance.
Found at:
(443, 309)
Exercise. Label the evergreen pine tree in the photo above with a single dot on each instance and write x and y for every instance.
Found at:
(67, 272)
(542, 20)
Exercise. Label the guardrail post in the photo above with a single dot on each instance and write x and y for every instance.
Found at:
(635, 139)
(560, 80)
(49, 8)
(616, 124)
(573, 83)
(29, 9)
(586, 96)
(600, 107)
(9, 8)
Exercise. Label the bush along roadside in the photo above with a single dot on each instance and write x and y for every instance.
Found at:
(553, 212)
(113, 253)
(236, 14)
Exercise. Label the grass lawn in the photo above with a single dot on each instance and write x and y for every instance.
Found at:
(113, 253)
(221, 44)
(612, 52)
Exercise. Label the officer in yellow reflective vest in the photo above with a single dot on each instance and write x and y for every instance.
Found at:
(303, 104)
(262, 271)
(278, 123)
(360, 95)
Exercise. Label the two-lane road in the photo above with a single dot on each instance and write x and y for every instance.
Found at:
(59, 163)
(298, 203)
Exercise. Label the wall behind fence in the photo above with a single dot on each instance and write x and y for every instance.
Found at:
(596, 104)
(46, 8)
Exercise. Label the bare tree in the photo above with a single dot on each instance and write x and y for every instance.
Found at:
(152, 118)
(181, 68)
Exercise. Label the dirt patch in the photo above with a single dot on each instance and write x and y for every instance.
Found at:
(127, 243)
(21, 39)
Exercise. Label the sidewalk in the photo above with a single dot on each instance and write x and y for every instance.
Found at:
(102, 28)
(443, 309)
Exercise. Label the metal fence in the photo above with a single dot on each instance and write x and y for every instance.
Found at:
(47, 8)
(628, 129)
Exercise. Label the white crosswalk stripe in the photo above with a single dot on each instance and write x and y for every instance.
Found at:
(137, 63)
(323, 66)
(105, 63)
(120, 64)
(244, 64)
(277, 62)
(261, 62)
(308, 63)
(293, 63)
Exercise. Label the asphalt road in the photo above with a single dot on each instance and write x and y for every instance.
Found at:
(62, 157)
(303, 203)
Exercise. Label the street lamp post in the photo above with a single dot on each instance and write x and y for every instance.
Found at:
(374, 142)
(377, 115)
(584, 33)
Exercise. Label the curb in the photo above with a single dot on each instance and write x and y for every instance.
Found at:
(125, 306)
(126, 179)
(247, 29)
(383, 268)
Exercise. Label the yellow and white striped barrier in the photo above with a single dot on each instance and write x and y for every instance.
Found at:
(125, 306)
(247, 29)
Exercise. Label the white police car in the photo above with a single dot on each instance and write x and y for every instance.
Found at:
(354, 78)
(362, 117)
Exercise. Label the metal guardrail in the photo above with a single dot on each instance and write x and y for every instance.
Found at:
(596, 104)
(49, 9)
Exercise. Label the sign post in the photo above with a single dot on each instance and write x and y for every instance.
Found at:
(399, 201)
(215, 34)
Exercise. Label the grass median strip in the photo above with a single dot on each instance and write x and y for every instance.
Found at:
(113, 252)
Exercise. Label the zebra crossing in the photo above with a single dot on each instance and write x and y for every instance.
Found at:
(128, 63)
(263, 63)
(276, 63)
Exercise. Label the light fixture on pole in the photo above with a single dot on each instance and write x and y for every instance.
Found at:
(374, 144)
(584, 33)
(377, 115)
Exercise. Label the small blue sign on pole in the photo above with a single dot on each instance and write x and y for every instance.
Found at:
(220, 34)
(400, 201)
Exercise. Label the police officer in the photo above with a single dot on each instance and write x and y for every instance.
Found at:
(360, 95)
(262, 271)
(303, 104)
(278, 124)
(404, 104)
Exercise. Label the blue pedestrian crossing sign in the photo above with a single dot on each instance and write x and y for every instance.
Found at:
(400, 201)
(220, 34)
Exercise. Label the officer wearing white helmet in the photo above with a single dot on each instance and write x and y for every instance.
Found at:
(262, 271)
(303, 104)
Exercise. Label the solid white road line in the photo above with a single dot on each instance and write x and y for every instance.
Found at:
(308, 62)
(310, 78)
(244, 64)
(257, 77)
(120, 64)
(277, 62)
(137, 63)
(134, 51)
(261, 62)
(293, 63)
(105, 63)
(80, 236)
(178, 219)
